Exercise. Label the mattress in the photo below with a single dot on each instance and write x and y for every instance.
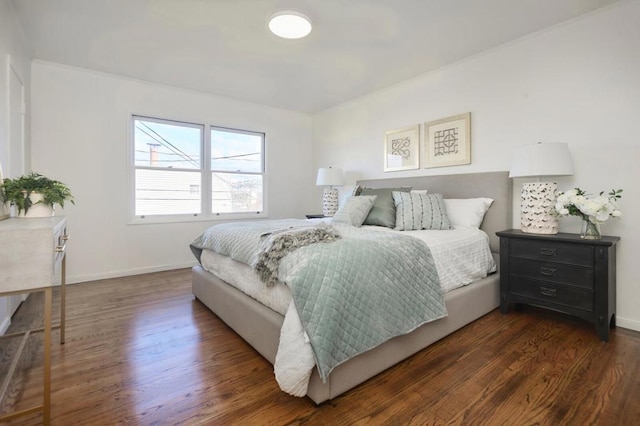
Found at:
(461, 256)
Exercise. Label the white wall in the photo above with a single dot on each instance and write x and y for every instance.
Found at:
(15, 53)
(80, 136)
(578, 82)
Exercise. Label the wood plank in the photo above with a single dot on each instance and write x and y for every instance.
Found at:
(141, 350)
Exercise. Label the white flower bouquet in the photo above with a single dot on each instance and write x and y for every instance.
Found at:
(598, 209)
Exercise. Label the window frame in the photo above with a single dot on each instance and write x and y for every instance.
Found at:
(262, 173)
(206, 176)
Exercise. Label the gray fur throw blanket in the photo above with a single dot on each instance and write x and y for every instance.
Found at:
(278, 244)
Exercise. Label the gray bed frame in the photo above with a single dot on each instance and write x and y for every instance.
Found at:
(260, 326)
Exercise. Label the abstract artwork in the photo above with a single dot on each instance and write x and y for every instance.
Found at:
(402, 149)
(448, 141)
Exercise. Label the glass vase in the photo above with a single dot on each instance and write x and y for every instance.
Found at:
(590, 230)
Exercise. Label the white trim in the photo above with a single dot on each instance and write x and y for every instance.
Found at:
(79, 279)
(206, 183)
(628, 323)
(15, 169)
(155, 219)
(162, 85)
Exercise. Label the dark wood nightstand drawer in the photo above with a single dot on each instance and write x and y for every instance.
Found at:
(556, 294)
(560, 273)
(552, 252)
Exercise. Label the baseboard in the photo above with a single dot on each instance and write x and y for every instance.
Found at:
(74, 279)
(628, 323)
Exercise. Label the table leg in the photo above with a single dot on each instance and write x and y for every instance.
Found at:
(63, 297)
(47, 356)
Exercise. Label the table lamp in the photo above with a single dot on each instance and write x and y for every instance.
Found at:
(328, 176)
(538, 198)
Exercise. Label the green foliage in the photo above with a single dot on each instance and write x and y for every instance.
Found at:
(615, 194)
(573, 210)
(17, 191)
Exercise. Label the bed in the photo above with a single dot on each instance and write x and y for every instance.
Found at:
(260, 325)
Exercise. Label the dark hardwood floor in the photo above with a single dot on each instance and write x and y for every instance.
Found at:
(141, 351)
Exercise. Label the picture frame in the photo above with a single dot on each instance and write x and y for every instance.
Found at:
(402, 149)
(448, 141)
(4, 210)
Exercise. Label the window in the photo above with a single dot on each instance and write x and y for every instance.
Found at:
(172, 180)
(237, 167)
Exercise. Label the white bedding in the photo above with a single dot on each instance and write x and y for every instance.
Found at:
(461, 256)
(245, 279)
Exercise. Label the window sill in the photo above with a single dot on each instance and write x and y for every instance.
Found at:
(223, 217)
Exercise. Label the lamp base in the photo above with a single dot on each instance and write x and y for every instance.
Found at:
(536, 204)
(329, 201)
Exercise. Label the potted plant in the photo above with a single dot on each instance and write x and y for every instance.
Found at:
(35, 195)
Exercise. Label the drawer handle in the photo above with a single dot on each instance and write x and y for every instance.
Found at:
(65, 237)
(548, 291)
(61, 249)
(548, 272)
(547, 251)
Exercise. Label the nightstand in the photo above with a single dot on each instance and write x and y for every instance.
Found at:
(562, 272)
(315, 216)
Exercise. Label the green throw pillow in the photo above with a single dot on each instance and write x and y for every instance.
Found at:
(383, 212)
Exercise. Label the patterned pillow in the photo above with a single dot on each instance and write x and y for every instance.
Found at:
(354, 210)
(383, 212)
(416, 211)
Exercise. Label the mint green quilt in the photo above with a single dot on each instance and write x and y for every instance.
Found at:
(352, 294)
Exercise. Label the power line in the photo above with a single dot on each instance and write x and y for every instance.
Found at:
(166, 143)
(226, 157)
(236, 156)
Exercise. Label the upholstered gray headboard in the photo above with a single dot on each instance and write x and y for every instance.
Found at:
(496, 185)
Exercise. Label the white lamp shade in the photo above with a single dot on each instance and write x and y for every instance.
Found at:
(542, 159)
(328, 176)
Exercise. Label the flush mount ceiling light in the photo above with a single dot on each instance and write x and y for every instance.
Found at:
(290, 24)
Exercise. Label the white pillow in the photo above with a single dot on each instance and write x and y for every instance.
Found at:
(468, 212)
(355, 210)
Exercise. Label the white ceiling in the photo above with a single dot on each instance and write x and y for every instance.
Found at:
(223, 47)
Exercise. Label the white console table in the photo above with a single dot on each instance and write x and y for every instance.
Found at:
(33, 259)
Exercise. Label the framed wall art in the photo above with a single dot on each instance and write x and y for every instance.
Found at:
(448, 141)
(402, 149)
